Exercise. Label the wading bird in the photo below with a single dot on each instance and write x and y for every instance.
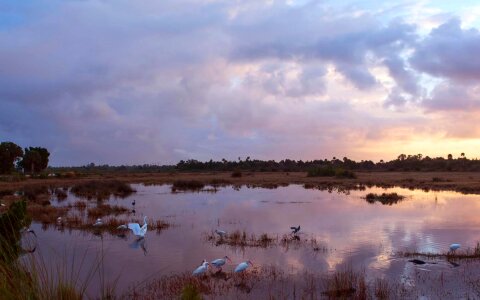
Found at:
(454, 247)
(221, 233)
(133, 203)
(295, 230)
(201, 270)
(98, 222)
(220, 262)
(243, 266)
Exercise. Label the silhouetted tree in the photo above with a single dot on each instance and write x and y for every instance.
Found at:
(9, 154)
(35, 159)
(450, 157)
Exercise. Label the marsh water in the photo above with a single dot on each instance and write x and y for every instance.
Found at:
(349, 230)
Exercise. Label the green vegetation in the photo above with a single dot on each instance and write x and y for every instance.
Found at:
(34, 160)
(9, 154)
(384, 198)
(329, 171)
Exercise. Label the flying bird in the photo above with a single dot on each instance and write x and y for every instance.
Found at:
(137, 230)
(220, 262)
(295, 230)
(201, 270)
(243, 266)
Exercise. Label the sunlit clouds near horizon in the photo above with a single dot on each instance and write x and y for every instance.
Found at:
(133, 82)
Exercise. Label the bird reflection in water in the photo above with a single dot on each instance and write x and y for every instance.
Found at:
(139, 243)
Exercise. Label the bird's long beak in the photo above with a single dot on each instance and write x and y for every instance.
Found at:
(228, 258)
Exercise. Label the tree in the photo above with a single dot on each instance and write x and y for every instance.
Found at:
(9, 154)
(450, 157)
(35, 159)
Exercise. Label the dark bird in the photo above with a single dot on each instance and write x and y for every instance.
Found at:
(133, 203)
(295, 230)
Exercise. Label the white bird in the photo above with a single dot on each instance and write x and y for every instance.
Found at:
(243, 266)
(2, 204)
(59, 220)
(122, 227)
(201, 270)
(98, 223)
(454, 247)
(137, 230)
(220, 262)
(221, 233)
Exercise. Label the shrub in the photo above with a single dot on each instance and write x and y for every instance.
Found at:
(341, 173)
(385, 199)
(102, 189)
(321, 172)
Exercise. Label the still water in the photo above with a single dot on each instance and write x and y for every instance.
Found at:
(350, 231)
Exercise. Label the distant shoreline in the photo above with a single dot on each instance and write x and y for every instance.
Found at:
(463, 182)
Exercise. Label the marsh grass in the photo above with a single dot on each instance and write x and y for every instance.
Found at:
(102, 210)
(187, 185)
(102, 189)
(239, 238)
(469, 254)
(269, 282)
(384, 198)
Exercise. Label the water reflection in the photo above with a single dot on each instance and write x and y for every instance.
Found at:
(349, 231)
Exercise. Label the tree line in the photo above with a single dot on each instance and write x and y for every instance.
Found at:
(403, 162)
(30, 160)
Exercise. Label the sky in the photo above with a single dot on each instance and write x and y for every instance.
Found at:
(153, 82)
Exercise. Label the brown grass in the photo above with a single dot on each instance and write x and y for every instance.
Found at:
(102, 210)
(269, 282)
(102, 189)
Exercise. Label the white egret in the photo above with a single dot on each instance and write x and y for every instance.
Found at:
(122, 227)
(59, 221)
(221, 233)
(220, 262)
(137, 230)
(454, 247)
(98, 223)
(243, 266)
(295, 230)
(2, 204)
(201, 270)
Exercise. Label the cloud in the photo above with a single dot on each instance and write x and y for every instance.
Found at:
(159, 81)
(449, 52)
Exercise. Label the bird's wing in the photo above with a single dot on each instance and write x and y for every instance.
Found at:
(135, 227)
(217, 261)
(241, 267)
(198, 270)
(293, 228)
